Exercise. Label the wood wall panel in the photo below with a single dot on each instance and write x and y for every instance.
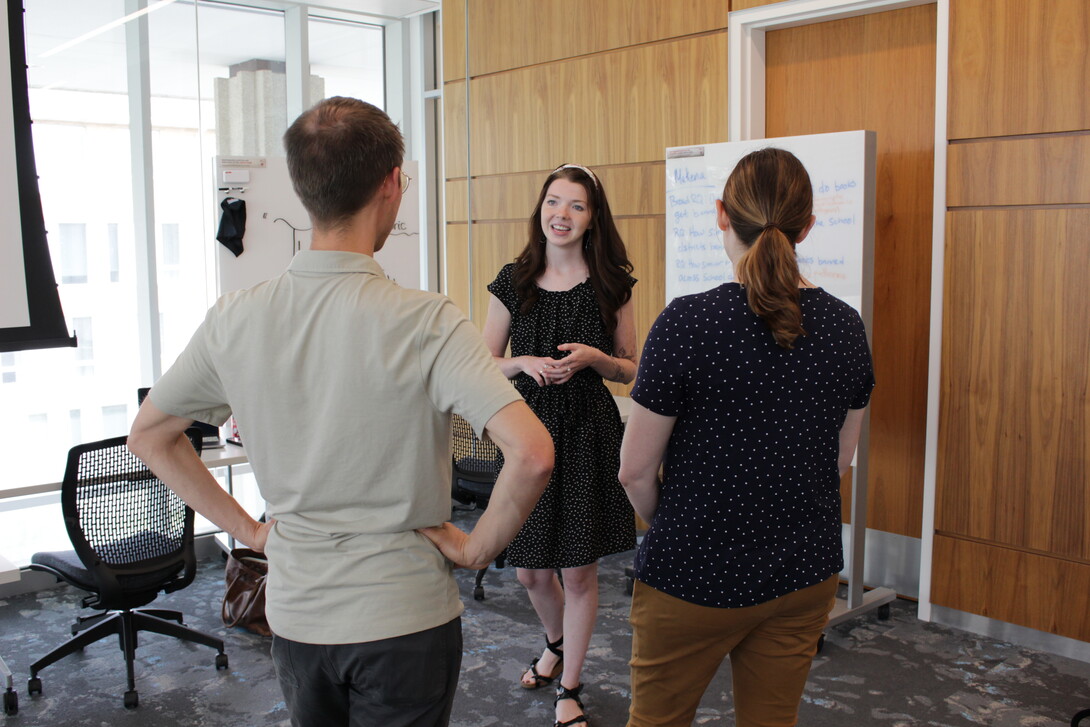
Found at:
(455, 158)
(1018, 67)
(494, 245)
(535, 32)
(1014, 455)
(456, 200)
(1019, 171)
(747, 4)
(453, 30)
(645, 239)
(1039, 592)
(613, 108)
(456, 265)
(877, 72)
(634, 189)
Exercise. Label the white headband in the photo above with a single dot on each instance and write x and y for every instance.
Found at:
(588, 172)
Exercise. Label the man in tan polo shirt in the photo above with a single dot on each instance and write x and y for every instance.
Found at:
(343, 384)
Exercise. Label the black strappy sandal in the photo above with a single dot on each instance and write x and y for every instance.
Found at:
(541, 680)
(563, 692)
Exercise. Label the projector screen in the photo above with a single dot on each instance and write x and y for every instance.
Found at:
(30, 307)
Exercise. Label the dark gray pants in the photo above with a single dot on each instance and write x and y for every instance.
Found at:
(405, 681)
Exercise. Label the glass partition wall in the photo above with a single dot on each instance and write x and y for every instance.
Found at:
(131, 100)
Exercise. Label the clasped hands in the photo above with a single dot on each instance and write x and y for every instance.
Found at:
(548, 371)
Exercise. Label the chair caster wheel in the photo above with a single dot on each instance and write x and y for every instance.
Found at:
(478, 593)
(821, 643)
(33, 686)
(132, 700)
(11, 702)
(883, 612)
(221, 661)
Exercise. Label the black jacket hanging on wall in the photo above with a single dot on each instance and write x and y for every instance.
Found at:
(232, 224)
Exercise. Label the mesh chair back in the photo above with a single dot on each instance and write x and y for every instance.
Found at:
(129, 529)
(472, 455)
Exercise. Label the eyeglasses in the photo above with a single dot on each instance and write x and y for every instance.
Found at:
(405, 181)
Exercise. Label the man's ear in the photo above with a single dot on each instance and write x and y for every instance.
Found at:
(393, 179)
(721, 215)
(806, 230)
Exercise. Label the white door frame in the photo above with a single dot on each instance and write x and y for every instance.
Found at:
(746, 113)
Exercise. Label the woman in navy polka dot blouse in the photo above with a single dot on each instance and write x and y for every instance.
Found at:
(751, 395)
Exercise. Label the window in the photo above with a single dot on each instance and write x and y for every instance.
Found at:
(348, 58)
(172, 255)
(115, 420)
(112, 253)
(85, 345)
(75, 426)
(7, 361)
(204, 58)
(73, 241)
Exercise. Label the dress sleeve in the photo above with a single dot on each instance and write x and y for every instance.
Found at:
(661, 378)
(503, 287)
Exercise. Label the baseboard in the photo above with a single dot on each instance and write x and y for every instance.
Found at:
(1011, 633)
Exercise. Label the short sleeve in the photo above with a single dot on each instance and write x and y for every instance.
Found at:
(503, 287)
(458, 371)
(192, 388)
(661, 378)
(864, 365)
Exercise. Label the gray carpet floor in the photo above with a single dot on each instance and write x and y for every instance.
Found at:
(893, 673)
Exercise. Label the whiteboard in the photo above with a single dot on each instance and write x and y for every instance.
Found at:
(836, 255)
(278, 226)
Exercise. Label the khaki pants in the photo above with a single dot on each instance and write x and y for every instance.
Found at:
(677, 647)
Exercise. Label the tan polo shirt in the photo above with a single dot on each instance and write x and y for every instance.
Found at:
(342, 384)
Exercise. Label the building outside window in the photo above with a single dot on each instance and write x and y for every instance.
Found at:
(73, 249)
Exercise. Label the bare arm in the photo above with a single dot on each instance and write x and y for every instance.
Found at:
(645, 438)
(849, 438)
(159, 440)
(528, 463)
(621, 367)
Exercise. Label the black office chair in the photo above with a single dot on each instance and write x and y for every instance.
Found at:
(133, 537)
(472, 478)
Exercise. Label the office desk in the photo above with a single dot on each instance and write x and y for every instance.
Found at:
(226, 456)
(8, 574)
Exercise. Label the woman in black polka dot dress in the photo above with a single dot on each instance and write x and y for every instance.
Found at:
(753, 394)
(565, 305)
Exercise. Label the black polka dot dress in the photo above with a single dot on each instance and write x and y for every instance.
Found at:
(583, 514)
(750, 502)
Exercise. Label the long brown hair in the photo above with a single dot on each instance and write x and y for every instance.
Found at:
(603, 250)
(769, 201)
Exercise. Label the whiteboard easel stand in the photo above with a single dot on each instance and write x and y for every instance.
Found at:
(858, 601)
(746, 120)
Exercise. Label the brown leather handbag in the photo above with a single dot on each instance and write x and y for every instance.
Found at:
(244, 596)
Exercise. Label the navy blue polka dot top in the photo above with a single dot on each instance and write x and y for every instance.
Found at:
(750, 501)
